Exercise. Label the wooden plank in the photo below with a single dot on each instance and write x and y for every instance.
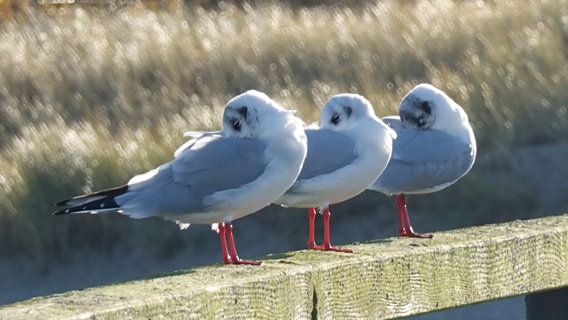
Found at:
(382, 279)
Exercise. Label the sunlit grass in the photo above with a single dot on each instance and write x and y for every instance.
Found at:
(90, 98)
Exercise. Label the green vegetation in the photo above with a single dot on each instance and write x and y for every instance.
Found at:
(90, 98)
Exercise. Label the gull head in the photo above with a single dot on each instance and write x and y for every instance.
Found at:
(252, 114)
(344, 111)
(427, 107)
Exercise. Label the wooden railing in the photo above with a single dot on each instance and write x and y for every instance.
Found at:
(382, 279)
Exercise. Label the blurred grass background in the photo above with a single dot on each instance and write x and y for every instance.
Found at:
(92, 95)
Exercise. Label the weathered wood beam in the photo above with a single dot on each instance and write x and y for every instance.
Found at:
(382, 279)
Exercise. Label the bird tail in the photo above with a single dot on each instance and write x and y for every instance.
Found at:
(98, 202)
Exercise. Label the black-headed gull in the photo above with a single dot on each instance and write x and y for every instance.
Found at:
(435, 147)
(218, 176)
(345, 155)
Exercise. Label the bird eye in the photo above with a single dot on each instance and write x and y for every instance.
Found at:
(421, 122)
(335, 118)
(236, 123)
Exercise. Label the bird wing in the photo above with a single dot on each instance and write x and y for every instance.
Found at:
(211, 163)
(424, 160)
(202, 137)
(328, 151)
(220, 163)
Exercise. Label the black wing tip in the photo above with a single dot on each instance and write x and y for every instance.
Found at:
(62, 203)
(106, 204)
(113, 192)
(62, 212)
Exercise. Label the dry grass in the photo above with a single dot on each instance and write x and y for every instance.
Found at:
(88, 99)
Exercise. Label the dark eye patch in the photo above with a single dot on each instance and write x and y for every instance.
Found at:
(420, 121)
(243, 111)
(348, 110)
(425, 106)
(417, 120)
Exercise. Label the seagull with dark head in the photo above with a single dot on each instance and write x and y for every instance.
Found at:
(345, 155)
(435, 147)
(216, 177)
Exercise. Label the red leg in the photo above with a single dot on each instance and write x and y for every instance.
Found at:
(234, 256)
(311, 226)
(404, 226)
(326, 246)
(401, 209)
(224, 253)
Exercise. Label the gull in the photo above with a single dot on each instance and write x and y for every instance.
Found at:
(345, 155)
(435, 147)
(216, 177)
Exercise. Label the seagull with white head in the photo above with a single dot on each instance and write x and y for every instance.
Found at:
(345, 155)
(435, 147)
(216, 177)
